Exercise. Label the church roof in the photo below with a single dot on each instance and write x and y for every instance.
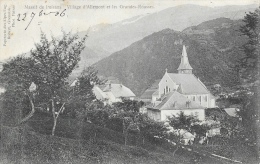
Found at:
(184, 61)
(175, 101)
(118, 90)
(189, 83)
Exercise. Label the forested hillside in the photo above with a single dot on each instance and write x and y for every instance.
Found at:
(212, 47)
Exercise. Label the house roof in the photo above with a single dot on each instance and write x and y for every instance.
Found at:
(156, 93)
(73, 84)
(175, 101)
(185, 134)
(232, 111)
(190, 84)
(102, 87)
(118, 90)
(150, 91)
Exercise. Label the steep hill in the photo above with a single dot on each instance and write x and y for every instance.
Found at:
(82, 143)
(105, 39)
(212, 47)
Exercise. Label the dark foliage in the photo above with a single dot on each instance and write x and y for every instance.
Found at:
(128, 105)
(182, 121)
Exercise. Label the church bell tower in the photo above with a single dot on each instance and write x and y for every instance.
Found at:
(184, 67)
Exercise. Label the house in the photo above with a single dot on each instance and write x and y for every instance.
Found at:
(181, 91)
(111, 93)
(218, 114)
(172, 104)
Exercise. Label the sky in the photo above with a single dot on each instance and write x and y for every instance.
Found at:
(22, 31)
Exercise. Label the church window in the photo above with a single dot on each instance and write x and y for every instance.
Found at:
(174, 104)
(188, 104)
(200, 98)
(166, 89)
(206, 98)
(193, 98)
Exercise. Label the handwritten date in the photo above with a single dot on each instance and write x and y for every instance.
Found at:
(23, 17)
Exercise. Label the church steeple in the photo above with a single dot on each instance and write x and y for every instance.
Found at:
(185, 65)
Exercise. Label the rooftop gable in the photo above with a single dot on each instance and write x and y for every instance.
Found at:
(118, 90)
(176, 101)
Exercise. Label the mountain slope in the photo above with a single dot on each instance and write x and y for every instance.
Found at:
(212, 47)
(104, 39)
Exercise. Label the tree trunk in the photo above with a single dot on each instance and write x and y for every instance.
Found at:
(55, 116)
(31, 113)
(175, 151)
(54, 126)
(125, 138)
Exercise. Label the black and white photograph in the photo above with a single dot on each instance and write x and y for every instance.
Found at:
(129, 82)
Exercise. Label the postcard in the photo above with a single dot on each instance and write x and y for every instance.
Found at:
(130, 81)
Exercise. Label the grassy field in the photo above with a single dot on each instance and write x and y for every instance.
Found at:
(81, 143)
(76, 142)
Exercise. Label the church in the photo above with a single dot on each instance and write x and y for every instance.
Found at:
(180, 92)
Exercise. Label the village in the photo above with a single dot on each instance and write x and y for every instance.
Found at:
(178, 85)
(172, 95)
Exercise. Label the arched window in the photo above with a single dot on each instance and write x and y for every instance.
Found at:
(166, 89)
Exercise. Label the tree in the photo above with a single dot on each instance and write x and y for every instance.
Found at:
(248, 67)
(151, 129)
(82, 92)
(99, 117)
(182, 122)
(16, 77)
(248, 64)
(49, 66)
(55, 60)
(200, 130)
(128, 105)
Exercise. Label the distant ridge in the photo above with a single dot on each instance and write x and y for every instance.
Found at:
(212, 47)
(105, 39)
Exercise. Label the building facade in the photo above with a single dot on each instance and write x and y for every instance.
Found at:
(181, 91)
(111, 93)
